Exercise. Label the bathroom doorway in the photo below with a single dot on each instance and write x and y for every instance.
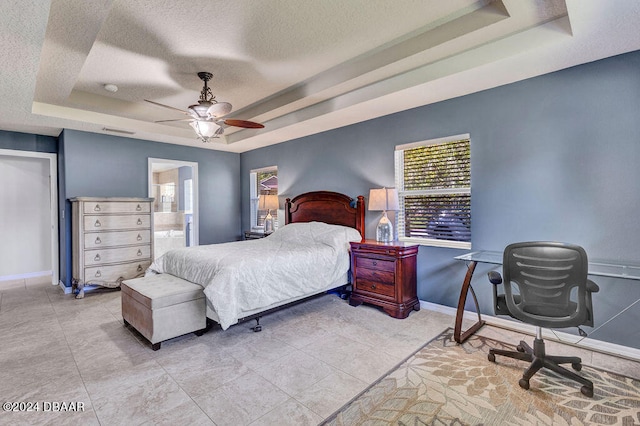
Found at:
(173, 185)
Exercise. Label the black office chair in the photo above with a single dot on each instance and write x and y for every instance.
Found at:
(545, 284)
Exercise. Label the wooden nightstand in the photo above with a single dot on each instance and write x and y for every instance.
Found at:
(384, 274)
(254, 235)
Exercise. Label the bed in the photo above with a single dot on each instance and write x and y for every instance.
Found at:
(246, 279)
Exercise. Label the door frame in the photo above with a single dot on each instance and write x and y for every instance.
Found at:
(194, 168)
(53, 202)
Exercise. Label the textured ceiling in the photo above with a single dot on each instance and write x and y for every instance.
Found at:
(298, 66)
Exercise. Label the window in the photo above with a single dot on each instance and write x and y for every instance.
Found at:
(433, 179)
(263, 182)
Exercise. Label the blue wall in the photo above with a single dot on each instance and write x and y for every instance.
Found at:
(96, 165)
(28, 142)
(552, 158)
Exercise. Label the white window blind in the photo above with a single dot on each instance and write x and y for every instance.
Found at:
(433, 179)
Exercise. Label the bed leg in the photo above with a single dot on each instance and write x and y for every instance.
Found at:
(256, 328)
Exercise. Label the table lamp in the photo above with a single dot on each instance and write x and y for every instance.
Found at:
(382, 200)
(268, 202)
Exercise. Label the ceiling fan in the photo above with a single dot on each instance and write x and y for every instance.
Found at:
(206, 116)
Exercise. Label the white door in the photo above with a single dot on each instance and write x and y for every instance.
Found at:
(26, 219)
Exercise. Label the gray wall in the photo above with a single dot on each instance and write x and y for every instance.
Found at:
(552, 158)
(96, 165)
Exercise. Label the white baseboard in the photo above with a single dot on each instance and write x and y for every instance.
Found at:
(566, 338)
(67, 290)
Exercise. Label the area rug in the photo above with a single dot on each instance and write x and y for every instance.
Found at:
(444, 383)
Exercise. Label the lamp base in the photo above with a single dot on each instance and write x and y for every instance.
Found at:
(268, 223)
(384, 231)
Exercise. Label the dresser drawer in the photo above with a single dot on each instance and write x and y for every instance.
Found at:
(100, 207)
(116, 238)
(111, 273)
(104, 223)
(378, 264)
(113, 255)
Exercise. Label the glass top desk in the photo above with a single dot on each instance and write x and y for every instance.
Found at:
(597, 268)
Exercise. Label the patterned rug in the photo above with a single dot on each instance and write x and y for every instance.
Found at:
(444, 383)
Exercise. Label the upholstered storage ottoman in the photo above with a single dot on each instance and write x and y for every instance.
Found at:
(162, 307)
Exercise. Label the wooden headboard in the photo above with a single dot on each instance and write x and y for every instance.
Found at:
(328, 207)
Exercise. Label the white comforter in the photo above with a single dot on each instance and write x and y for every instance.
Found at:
(298, 259)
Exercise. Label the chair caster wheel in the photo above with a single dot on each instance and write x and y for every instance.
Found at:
(587, 391)
(524, 384)
(519, 348)
(576, 366)
(257, 328)
(491, 357)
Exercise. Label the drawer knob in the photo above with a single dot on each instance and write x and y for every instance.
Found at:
(96, 208)
(139, 221)
(98, 240)
(373, 286)
(97, 224)
(139, 237)
(98, 273)
(375, 263)
(97, 258)
(139, 252)
(138, 208)
(139, 268)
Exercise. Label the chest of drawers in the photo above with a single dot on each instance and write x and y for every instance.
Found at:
(384, 274)
(112, 240)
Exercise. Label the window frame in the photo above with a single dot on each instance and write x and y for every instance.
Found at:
(402, 193)
(254, 197)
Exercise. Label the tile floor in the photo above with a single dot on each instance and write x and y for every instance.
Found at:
(307, 362)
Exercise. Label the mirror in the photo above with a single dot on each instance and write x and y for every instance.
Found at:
(174, 186)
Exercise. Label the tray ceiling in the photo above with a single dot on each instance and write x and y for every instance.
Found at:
(298, 66)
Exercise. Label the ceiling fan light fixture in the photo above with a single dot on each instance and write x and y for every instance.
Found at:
(200, 109)
(206, 129)
(219, 109)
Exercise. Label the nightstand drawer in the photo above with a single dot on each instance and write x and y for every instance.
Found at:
(377, 287)
(375, 275)
(378, 264)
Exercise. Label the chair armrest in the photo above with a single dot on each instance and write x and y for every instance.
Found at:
(592, 287)
(495, 278)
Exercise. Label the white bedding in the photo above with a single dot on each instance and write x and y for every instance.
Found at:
(296, 260)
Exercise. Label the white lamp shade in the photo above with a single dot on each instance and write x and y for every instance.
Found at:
(206, 129)
(383, 199)
(268, 202)
(219, 109)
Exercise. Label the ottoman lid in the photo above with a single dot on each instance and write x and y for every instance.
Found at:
(158, 291)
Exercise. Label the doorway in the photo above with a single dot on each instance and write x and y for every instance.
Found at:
(28, 215)
(173, 185)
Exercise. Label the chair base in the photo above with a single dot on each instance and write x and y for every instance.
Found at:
(538, 359)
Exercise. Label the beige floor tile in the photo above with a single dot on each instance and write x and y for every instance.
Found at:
(241, 401)
(296, 371)
(12, 284)
(135, 400)
(38, 281)
(290, 413)
(336, 350)
(330, 393)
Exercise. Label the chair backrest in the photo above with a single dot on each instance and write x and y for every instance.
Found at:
(551, 281)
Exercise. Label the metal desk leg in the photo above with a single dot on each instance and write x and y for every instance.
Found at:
(458, 335)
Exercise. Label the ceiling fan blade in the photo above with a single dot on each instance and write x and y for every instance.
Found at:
(243, 123)
(166, 106)
(179, 119)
